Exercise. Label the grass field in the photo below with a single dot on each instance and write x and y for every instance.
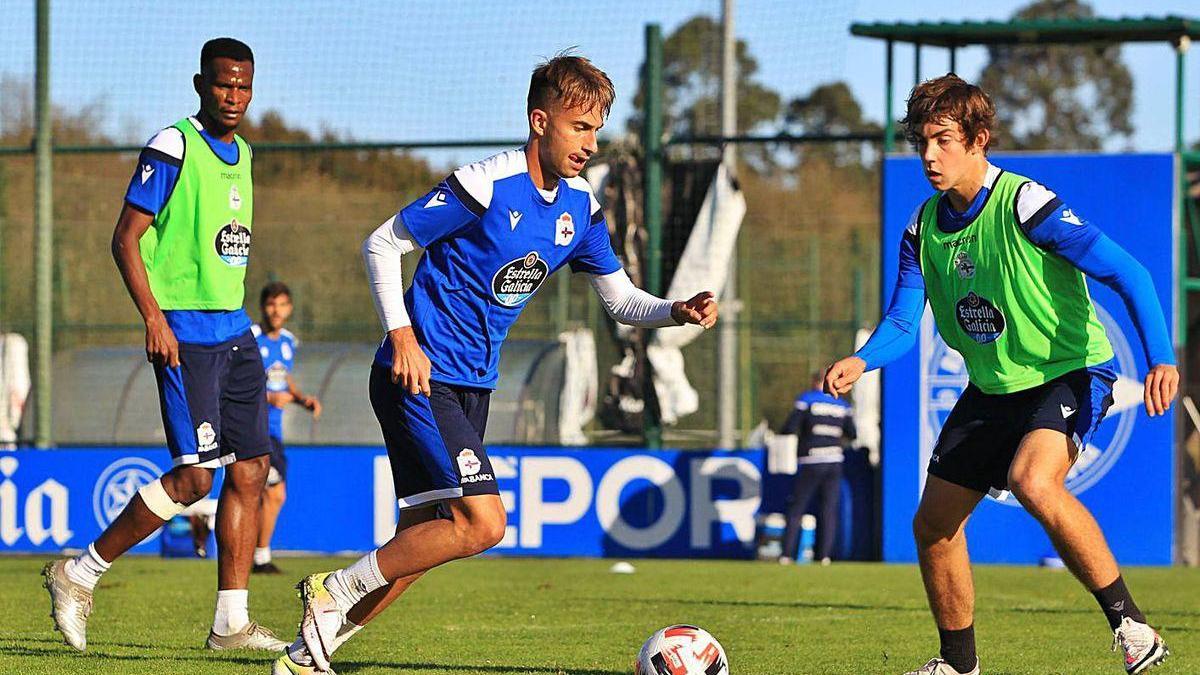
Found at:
(572, 616)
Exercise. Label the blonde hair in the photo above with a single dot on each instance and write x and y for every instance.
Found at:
(571, 81)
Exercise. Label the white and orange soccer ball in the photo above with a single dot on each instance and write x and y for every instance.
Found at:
(682, 650)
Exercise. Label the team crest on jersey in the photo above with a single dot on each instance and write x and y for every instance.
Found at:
(964, 265)
(980, 320)
(564, 230)
(468, 463)
(235, 198)
(277, 376)
(519, 279)
(206, 437)
(233, 244)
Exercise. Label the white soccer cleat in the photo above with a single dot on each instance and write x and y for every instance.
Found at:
(284, 665)
(1143, 646)
(321, 619)
(251, 636)
(70, 604)
(940, 667)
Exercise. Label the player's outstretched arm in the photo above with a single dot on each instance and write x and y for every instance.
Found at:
(161, 345)
(1086, 247)
(632, 306)
(701, 310)
(1113, 266)
(893, 337)
(841, 376)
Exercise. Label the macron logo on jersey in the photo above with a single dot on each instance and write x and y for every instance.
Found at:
(514, 217)
(147, 171)
(1070, 218)
(438, 199)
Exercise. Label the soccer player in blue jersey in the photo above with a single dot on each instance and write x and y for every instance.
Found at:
(277, 346)
(1001, 260)
(182, 243)
(493, 233)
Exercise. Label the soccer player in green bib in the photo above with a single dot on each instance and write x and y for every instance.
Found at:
(1001, 260)
(182, 243)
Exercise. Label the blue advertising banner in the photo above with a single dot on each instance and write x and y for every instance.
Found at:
(560, 501)
(1125, 476)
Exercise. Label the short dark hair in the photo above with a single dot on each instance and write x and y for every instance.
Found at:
(273, 290)
(573, 81)
(947, 99)
(224, 47)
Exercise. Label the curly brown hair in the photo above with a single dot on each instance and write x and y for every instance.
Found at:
(946, 99)
(572, 81)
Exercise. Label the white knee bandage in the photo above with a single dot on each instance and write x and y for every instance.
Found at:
(157, 500)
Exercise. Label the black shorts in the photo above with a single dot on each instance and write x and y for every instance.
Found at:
(214, 404)
(278, 472)
(980, 437)
(435, 442)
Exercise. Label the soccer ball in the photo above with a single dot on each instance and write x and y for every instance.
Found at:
(682, 650)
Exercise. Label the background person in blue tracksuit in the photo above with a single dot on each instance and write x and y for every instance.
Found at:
(824, 426)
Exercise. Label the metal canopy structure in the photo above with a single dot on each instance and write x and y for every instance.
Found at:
(1177, 31)
(1036, 31)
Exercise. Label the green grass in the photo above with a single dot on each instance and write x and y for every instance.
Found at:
(572, 616)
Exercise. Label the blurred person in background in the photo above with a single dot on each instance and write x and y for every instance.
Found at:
(824, 427)
(277, 346)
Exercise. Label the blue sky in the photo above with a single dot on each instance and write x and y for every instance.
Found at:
(427, 69)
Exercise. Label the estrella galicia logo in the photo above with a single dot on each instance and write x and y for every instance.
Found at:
(944, 377)
(233, 244)
(519, 279)
(117, 484)
(980, 319)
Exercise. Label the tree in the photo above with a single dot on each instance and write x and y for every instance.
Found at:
(830, 109)
(1060, 97)
(692, 83)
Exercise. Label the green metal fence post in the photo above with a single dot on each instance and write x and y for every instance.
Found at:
(1181, 47)
(43, 243)
(889, 128)
(916, 63)
(652, 150)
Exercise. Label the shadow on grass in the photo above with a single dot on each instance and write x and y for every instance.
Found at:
(405, 667)
(802, 604)
(205, 656)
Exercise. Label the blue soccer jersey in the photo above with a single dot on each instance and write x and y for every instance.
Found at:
(491, 240)
(278, 357)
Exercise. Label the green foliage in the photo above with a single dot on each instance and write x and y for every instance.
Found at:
(830, 109)
(692, 83)
(1058, 97)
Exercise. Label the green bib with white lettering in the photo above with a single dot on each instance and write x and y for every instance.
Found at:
(1019, 315)
(197, 249)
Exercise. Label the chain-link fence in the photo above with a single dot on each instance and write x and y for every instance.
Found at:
(359, 109)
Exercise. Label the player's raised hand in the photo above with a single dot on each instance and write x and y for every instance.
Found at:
(701, 310)
(841, 376)
(161, 346)
(410, 366)
(1162, 383)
